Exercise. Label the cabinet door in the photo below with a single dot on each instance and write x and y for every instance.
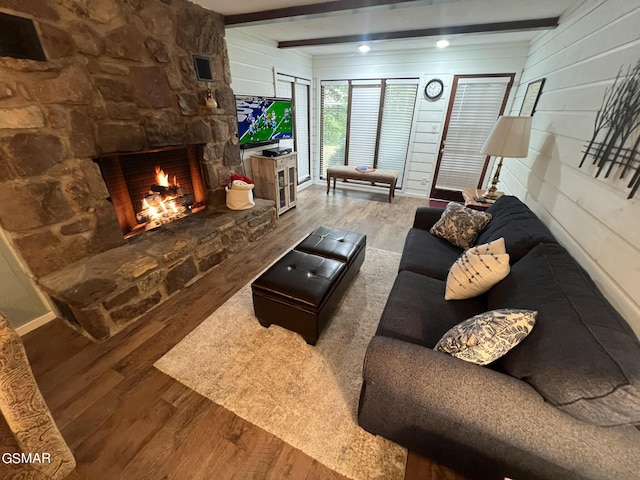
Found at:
(291, 171)
(281, 186)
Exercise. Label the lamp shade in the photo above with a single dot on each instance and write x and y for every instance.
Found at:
(509, 138)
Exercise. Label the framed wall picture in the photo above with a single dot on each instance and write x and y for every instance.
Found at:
(531, 97)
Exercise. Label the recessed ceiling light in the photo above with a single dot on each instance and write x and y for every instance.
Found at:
(442, 43)
(364, 48)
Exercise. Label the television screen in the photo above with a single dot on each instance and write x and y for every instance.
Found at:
(263, 119)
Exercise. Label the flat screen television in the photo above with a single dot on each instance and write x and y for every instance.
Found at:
(263, 120)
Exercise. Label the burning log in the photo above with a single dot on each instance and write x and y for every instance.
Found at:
(186, 200)
(164, 202)
(172, 190)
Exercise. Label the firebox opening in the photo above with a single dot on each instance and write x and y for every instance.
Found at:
(149, 189)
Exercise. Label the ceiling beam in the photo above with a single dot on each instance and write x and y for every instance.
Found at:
(518, 25)
(313, 9)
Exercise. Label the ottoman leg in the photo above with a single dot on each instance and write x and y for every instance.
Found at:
(264, 324)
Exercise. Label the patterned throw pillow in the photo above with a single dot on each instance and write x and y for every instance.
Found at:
(477, 270)
(487, 337)
(460, 225)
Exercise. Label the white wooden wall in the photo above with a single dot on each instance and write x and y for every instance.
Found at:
(429, 116)
(253, 61)
(254, 65)
(589, 216)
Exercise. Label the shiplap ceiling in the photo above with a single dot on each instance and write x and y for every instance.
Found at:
(395, 17)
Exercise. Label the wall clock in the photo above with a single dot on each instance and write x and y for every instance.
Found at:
(434, 88)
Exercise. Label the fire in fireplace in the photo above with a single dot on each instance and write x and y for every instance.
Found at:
(149, 189)
(166, 201)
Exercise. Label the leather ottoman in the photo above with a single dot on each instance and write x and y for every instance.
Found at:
(334, 243)
(300, 293)
(348, 247)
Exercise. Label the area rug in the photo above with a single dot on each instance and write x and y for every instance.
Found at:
(307, 396)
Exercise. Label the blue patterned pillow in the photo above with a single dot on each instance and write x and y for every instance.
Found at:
(460, 225)
(485, 338)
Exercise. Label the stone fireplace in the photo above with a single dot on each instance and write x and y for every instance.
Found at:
(77, 132)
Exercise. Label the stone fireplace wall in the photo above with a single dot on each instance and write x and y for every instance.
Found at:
(119, 77)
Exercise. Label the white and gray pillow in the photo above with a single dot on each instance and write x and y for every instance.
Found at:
(477, 270)
(486, 337)
(460, 225)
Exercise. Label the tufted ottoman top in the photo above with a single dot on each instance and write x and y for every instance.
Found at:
(333, 243)
(300, 279)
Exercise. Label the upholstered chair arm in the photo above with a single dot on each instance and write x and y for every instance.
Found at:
(31, 428)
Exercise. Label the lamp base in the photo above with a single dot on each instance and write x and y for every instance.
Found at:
(491, 194)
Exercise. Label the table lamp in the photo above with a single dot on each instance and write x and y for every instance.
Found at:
(509, 138)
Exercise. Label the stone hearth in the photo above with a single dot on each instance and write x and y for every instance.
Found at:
(119, 77)
(110, 290)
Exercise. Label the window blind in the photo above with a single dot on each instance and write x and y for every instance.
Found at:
(475, 109)
(395, 128)
(363, 125)
(378, 129)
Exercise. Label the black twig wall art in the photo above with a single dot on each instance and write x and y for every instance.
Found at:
(616, 132)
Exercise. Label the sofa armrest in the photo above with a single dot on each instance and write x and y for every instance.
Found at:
(426, 217)
(401, 366)
(502, 420)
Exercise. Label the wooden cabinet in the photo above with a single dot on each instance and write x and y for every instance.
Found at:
(276, 178)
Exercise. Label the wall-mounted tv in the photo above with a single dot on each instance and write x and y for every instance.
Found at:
(263, 120)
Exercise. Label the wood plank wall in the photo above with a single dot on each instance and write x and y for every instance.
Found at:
(590, 216)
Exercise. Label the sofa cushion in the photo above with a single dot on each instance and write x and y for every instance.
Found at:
(477, 270)
(484, 338)
(416, 311)
(582, 356)
(460, 225)
(519, 226)
(427, 254)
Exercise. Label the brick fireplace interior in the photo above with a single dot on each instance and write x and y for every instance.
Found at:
(151, 188)
(81, 134)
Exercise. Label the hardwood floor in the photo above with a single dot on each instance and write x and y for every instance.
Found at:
(123, 419)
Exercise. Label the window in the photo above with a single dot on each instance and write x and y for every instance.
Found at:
(366, 123)
(298, 90)
(395, 128)
(301, 116)
(333, 126)
(476, 103)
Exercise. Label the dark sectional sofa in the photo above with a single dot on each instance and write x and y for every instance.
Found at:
(564, 404)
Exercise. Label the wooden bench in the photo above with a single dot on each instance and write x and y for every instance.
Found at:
(388, 177)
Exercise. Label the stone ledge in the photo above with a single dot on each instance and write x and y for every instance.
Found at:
(104, 293)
